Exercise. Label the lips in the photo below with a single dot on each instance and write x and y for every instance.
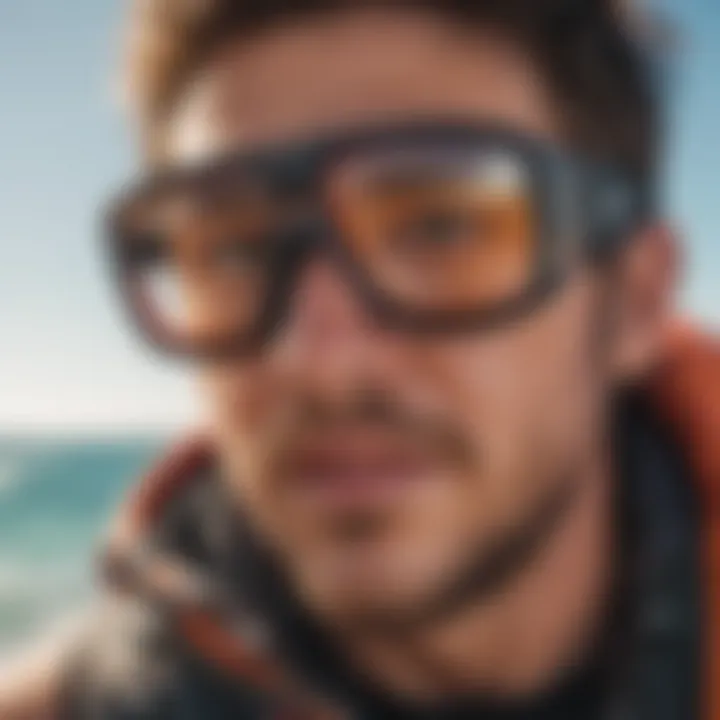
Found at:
(353, 472)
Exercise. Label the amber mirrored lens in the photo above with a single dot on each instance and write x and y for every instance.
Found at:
(439, 229)
(198, 269)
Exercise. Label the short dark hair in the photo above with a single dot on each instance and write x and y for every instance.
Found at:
(586, 49)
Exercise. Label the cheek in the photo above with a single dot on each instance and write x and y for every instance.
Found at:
(529, 396)
(240, 400)
(484, 391)
(249, 396)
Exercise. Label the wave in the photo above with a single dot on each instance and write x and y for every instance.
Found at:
(10, 474)
(55, 499)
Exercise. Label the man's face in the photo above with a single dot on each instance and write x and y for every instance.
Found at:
(379, 465)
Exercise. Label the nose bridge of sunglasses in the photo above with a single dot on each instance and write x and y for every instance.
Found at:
(311, 241)
(304, 236)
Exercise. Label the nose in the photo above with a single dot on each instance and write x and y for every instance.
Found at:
(328, 334)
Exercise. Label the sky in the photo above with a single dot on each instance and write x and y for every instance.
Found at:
(67, 361)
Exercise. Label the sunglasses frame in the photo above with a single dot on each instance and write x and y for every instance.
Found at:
(595, 207)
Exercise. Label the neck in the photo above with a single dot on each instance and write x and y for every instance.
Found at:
(522, 641)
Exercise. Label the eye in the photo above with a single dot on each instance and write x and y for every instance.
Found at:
(144, 252)
(440, 228)
(238, 255)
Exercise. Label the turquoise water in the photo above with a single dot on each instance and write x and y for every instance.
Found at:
(55, 500)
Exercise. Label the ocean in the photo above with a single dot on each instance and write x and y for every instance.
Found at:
(55, 500)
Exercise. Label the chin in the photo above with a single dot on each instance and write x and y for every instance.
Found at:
(376, 582)
(359, 602)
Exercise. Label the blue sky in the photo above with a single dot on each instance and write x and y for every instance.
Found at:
(66, 361)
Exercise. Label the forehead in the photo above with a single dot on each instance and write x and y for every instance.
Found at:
(329, 73)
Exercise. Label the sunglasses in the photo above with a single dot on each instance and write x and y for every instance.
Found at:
(438, 228)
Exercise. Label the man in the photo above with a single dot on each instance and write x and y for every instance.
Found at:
(460, 460)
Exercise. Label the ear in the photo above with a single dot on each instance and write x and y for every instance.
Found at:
(644, 284)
